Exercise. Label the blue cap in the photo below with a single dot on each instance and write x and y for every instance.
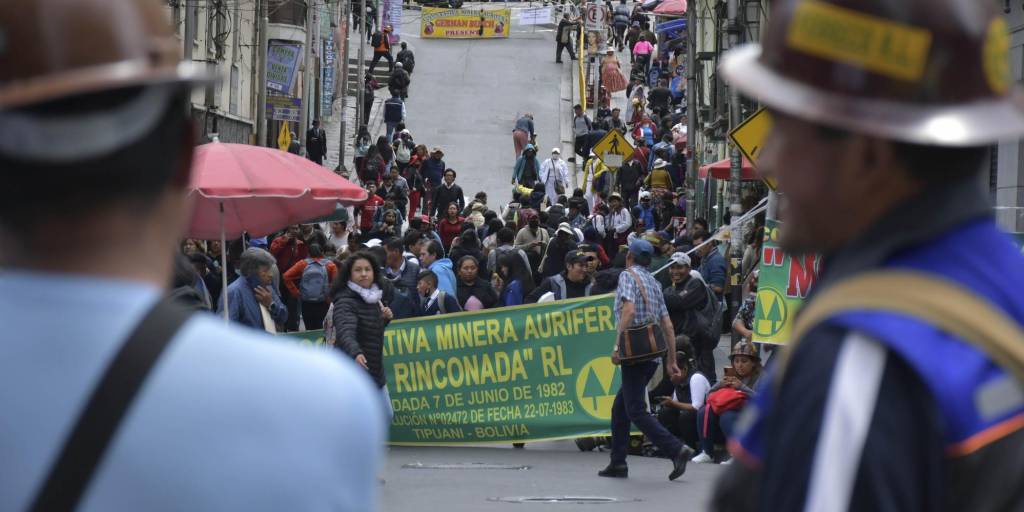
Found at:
(258, 242)
(641, 246)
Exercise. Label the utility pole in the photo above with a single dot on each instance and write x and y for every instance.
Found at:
(307, 75)
(735, 167)
(191, 8)
(360, 115)
(343, 73)
(261, 73)
(691, 115)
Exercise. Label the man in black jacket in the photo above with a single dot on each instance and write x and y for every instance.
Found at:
(316, 143)
(447, 193)
(398, 82)
(564, 38)
(402, 272)
(406, 58)
(573, 283)
(562, 244)
(687, 302)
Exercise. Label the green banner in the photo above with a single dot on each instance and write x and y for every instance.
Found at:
(783, 283)
(516, 374)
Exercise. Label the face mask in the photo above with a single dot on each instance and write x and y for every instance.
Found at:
(554, 158)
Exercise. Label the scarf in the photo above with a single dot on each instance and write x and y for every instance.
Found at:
(370, 295)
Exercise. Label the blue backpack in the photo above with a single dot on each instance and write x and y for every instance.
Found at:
(314, 283)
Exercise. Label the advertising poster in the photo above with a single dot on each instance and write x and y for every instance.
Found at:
(783, 284)
(465, 23)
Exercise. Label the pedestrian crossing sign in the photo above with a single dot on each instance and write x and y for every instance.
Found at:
(613, 149)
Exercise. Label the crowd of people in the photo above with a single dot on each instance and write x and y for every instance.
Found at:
(420, 246)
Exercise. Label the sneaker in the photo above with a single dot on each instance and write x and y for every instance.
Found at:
(701, 458)
(679, 463)
(614, 471)
(728, 461)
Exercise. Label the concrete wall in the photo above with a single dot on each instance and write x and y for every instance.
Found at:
(225, 37)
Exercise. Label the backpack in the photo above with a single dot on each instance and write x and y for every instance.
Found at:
(375, 39)
(313, 285)
(440, 303)
(403, 153)
(393, 111)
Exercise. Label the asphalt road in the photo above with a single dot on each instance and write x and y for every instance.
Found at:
(555, 470)
(465, 98)
(467, 94)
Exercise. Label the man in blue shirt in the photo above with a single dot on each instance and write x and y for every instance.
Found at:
(638, 302)
(712, 263)
(227, 418)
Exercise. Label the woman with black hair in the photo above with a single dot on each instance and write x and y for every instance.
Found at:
(513, 280)
(469, 285)
(468, 244)
(360, 316)
(387, 153)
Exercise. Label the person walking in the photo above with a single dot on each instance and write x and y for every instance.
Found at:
(370, 87)
(620, 20)
(381, 43)
(309, 281)
(406, 58)
(142, 408)
(399, 81)
(360, 316)
(581, 127)
(523, 133)
(394, 113)
(527, 168)
(888, 398)
(316, 143)
(564, 37)
(611, 74)
(638, 302)
(554, 174)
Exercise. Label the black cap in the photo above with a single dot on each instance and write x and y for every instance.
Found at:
(577, 256)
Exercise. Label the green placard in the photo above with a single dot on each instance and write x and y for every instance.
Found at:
(517, 374)
(783, 283)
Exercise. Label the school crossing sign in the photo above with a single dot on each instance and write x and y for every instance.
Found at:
(613, 149)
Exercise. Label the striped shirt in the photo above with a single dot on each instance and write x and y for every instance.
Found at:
(651, 310)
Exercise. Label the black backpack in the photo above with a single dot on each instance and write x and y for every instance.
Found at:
(375, 39)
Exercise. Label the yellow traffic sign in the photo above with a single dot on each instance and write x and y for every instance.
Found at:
(750, 135)
(613, 149)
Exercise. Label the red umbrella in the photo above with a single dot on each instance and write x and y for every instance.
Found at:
(671, 7)
(721, 170)
(260, 190)
(239, 188)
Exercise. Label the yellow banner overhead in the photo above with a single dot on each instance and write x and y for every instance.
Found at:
(437, 23)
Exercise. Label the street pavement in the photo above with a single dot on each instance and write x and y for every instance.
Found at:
(467, 94)
(465, 98)
(556, 470)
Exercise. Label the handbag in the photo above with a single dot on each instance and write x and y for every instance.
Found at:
(644, 343)
(726, 399)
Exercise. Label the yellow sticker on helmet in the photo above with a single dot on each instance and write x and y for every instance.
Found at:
(996, 56)
(843, 35)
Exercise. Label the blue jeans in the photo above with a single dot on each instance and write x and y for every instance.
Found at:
(718, 427)
(391, 131)
(629, 406)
